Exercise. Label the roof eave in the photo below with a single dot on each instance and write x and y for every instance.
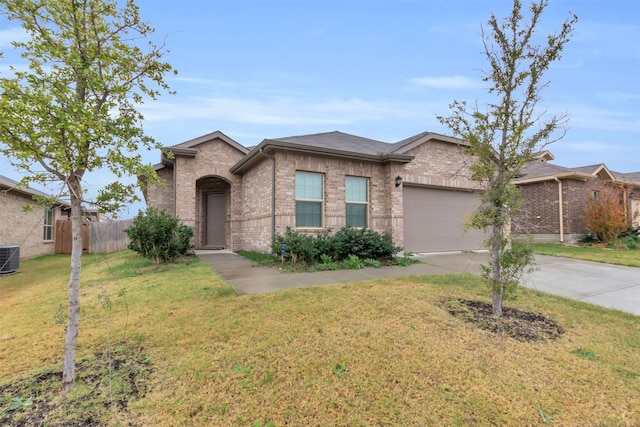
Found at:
(268, 146)
(211, 136)
(187, 152)
(567, 175)
(416, 140)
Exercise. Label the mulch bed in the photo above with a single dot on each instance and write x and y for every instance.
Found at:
(514, 323)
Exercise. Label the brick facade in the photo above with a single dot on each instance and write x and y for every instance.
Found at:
(248, 194)
(540, 213)
(439, 164)
(381, 217)
(25, 229)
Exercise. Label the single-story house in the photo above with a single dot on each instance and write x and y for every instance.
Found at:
(30, 226)
(417, 190)
(33, 228)
(555, 198)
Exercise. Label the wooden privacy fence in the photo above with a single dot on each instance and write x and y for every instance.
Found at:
(99, 237)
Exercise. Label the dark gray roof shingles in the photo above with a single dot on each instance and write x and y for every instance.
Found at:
(339, 141)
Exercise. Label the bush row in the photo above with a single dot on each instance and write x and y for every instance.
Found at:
(364, 243)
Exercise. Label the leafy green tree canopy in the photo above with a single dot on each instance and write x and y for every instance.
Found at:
(73, 110)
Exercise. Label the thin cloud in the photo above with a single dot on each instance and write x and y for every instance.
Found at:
(602, 119)
(284, 110)
(447, 82)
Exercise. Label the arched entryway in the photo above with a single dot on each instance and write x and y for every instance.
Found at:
(213, 205)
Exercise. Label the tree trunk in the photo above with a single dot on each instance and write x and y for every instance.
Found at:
(69, 368)
(496, 279)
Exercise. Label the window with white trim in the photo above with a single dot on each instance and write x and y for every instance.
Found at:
(309, 199)
(357, 201)
(48, 223)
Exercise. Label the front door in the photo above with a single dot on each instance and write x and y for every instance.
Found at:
(216, 213)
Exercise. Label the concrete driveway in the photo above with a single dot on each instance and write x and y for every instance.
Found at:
(606, 285)
(601, 284)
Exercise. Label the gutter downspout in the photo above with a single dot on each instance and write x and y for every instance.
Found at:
(273, 193)
(560, 209)
(175, 189)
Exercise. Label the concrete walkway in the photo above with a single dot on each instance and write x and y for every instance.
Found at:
(602, 284)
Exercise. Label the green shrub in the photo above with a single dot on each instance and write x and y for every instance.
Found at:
(631, 238)
(364, 243)
(630, 242)
(159, 236)
(295, 247)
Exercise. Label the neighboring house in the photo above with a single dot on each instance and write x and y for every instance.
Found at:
(630, 185)
(32, 230)
(417, 190)
(555, 198)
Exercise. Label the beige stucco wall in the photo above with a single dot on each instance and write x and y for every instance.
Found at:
(24, 228)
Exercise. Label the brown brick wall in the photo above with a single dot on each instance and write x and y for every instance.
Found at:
(540, 215)
(576, 194)
(24, 228)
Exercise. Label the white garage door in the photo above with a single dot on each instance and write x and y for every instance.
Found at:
(433, 220)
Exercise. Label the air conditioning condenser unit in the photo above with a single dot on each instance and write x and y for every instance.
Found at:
(9, 259)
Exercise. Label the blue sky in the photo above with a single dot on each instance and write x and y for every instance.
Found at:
(379, 69)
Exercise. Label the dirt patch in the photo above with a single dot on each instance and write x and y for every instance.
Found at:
(104, 381)
(518, 324)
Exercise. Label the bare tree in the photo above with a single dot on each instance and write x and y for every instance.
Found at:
(503, 137)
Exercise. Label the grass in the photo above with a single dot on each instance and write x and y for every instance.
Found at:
(626, 257)
(373, 353)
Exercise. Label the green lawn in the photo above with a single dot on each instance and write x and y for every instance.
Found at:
(368, 354)
(626, 257)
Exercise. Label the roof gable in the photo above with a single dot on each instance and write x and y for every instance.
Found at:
(410, 143)
(192, 143)
(597, 170)
(543, 156)
(188, 148)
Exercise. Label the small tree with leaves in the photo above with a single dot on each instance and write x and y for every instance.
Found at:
(503, 137)
(605, 215)
(73, 110)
